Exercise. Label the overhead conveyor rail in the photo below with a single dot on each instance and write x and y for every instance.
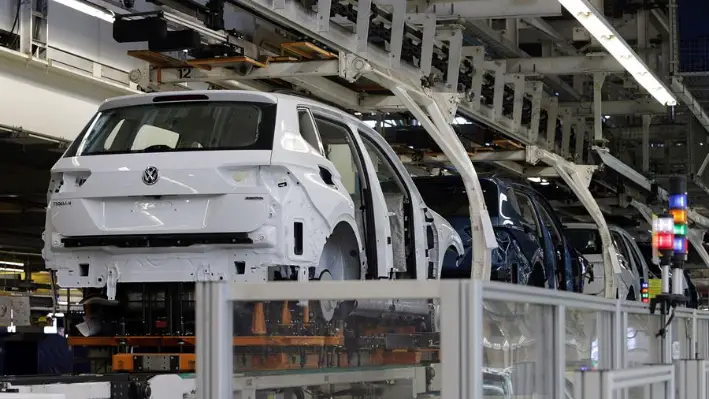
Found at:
(447, 78)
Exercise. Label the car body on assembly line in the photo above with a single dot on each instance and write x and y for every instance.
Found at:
(532, 248)
(634, 270)
(239, 186)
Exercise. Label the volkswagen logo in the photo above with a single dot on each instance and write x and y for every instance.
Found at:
(150, 175)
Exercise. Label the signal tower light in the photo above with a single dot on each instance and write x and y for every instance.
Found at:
(678, 209)
(671, 242)
(664, 235)
(645, 292)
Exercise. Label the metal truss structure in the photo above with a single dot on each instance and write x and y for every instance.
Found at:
(503, 94)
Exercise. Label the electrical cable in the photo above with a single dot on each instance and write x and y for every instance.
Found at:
(11, 42)
(663, 330)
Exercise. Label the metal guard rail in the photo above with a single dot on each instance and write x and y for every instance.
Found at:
(463, 306)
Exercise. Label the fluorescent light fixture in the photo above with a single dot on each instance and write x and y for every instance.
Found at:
(8, 263)
(597, 25)
(88, 9)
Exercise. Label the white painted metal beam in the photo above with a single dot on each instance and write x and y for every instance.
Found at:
(578, 178)
(281, 70)
(688, 99)
(569, 65)
(623, 107)
(483, 9)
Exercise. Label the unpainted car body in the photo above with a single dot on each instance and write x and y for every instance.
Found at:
(239, 186)
(532, 248)
(634, 271)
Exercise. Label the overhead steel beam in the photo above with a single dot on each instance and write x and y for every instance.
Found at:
(688, 99)
(548, 31)
(666, 130)
(624, 107)
(279, 70)
(504, 48)
(483, 9)
(569, 65)
(492, 156)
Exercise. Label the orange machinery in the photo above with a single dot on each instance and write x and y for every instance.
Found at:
(367, 345)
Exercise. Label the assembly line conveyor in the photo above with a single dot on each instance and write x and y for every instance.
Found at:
(535, 342)
(540, 343)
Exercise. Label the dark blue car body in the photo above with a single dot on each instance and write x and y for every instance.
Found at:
(534, 253)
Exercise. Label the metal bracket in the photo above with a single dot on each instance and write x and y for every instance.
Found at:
(445, 137)
(352, 67)
(578, 178)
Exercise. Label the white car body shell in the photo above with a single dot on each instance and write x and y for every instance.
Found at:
(628, 279)
(259, 194)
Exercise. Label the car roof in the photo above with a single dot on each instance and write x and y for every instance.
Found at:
(224, 95)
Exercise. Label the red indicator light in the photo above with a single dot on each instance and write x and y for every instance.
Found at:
(665, 241)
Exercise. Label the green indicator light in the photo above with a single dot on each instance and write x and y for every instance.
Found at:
(681, 229)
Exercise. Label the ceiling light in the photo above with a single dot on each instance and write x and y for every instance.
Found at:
(596, 24)
(535, 179)
(88, 9)
(8, 263)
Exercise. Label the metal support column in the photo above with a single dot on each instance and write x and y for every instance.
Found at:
(578, 178)
(454, 36)
(552, 106)
(324, 7)
(363, 27)
(641, 18)
(440, 130)
(536, 90)
(566, 124)
(512, 30)
(477, 53)
(397, 33)
(26, 21)
(428, 22)
(647, 121)
(518, 83)
(498, 96)
(213, 346)
(579, 137)
(598, 79)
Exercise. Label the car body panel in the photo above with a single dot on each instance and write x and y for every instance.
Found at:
(255, 193)
(629, 279)
(519, 248)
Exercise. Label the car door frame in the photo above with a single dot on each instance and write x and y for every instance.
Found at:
(566, 256)
(626, 252)
(376, 214)
(550, 266)
(643, 268)
(418, 219)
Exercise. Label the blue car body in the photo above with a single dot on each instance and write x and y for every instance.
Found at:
(523, 256)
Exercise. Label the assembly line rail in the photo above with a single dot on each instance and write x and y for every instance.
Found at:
(557, 331)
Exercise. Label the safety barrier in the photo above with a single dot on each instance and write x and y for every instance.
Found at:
(540, 343)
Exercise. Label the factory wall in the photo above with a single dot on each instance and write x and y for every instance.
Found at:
(44, 101)
(51, 104)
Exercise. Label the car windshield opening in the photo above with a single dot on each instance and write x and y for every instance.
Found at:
(183, 126)
(586, 241)
(447, 196)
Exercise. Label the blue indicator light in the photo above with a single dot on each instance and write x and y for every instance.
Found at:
(678, 201)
